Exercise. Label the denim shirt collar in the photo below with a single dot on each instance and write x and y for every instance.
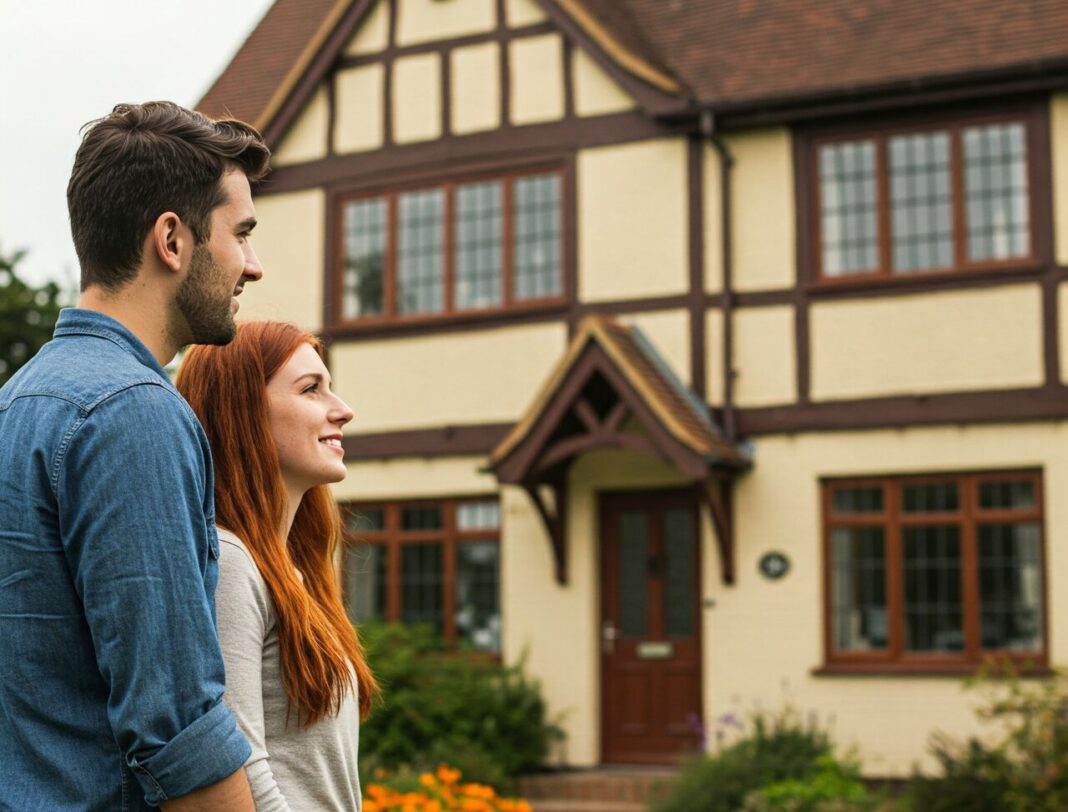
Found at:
(80, 321)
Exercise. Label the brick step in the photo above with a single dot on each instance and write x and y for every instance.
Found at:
(632, 787)
(586, 806)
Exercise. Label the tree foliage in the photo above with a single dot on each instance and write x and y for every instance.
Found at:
(27, 315)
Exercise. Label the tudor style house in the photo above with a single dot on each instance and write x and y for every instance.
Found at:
(705, 354)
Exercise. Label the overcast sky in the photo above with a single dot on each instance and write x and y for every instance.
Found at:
(65, 62)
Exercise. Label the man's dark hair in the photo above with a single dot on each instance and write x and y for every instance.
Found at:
(142, 160)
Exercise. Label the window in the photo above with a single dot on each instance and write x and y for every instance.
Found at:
(934, 572)
(428, 562)
(937, 199)
(463, 247)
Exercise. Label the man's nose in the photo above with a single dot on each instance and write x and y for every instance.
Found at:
(253, 271)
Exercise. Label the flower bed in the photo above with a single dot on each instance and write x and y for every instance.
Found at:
(440, 791)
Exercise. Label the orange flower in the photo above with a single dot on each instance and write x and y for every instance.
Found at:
(427, 780)
(446, 775)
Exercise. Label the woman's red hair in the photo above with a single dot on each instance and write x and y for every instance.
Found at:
(226, 386)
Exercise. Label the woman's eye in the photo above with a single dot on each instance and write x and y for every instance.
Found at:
(313, 387)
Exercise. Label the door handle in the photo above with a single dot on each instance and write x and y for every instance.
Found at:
(609, 635)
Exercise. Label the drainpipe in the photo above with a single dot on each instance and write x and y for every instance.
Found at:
(726, 163)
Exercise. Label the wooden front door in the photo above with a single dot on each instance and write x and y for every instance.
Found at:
(650, 627)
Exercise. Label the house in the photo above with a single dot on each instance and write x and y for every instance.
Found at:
(705, 354)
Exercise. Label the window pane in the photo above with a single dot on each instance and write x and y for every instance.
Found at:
(920, 204)
(858, 598)
(1009, 495)
(478, 614)
(421, 517)
(421, 584)
(940, 497)
(995, 191)
(857, 500)
(1010, 587)
(365, 582)
(932, 585)
(478, 515)
(419, 251)
(365, 251)
(633, 565)
(848, 204)
(477, 239)
(536, 249)
(366, 520)
(679, 565)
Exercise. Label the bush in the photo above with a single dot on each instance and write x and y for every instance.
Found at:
(834, 786)
(1025, 769)
(780, 747)
(438, 706)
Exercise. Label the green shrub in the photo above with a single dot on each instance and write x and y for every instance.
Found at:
(445, 706)
(1023, 769)
(834, 786)
(779, 747)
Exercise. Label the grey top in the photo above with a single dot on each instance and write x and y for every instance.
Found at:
(291, 769)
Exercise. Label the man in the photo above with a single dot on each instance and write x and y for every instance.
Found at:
(112, 678)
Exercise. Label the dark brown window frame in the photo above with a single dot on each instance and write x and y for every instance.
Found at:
(1032, 112)
(393, 538)
(337, 326)
(894, 660)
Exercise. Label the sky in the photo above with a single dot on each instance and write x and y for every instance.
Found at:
(66, 62)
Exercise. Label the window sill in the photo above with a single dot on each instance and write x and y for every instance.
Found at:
(541, 310)
(1025, 670)
(925, 280)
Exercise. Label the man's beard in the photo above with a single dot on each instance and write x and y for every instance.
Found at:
(205, 311)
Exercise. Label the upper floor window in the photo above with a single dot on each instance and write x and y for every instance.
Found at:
(485, 244)
(935, 199)
(934, 572)
(436, 563)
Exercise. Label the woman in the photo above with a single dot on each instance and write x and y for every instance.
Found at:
(296, 678)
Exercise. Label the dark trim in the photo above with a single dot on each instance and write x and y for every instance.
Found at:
(387, 77)
(1039, 76)
(445, 61)
(904, 411)
(695, 299)
(441, 324)
(499, 35)
(444, 441)
(569, 79)
(506, 144)
(504, 69)
(331, 112)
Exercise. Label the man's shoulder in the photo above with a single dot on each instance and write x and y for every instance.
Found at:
(86, 372)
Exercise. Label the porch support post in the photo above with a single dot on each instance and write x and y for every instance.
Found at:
(718, 493)
(554, 516)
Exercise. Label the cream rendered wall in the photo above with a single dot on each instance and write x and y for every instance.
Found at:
(536, 67)
(417, 98)
(450, 378)
(596, 93)
(359, 112)
(1062, 330)
(764, 355)
(373, 34)
(767, 635)
(714, 383)
(632, 228)
(523, 12)
(427, 20)
(289, 243)
(762, 191)
(306, 139)
(1059, 147)
(411, 477)
(475, 85)
(669, 333)
(713, 210)
(951, 341)
(557, 627)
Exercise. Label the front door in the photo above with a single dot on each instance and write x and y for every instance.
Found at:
(650, 627)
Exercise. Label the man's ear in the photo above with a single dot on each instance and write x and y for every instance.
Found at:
(170, 240)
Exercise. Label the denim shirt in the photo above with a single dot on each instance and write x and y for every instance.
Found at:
(111, 677)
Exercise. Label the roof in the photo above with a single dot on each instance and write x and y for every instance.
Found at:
(674, 406)
(716, 53)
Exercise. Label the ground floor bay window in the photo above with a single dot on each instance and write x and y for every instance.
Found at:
(432, 562)
(934, 573)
